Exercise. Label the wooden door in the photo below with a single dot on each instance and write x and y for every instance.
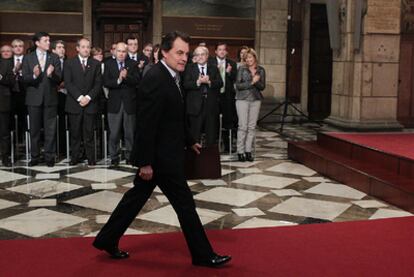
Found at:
(320, 64)
(116, 31)
(405, 109)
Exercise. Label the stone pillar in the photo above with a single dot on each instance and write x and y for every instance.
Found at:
(157, 21)
(87, 19)
(365, 81)
(271, 37)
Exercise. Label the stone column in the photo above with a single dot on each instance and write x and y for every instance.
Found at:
(271, 37)
(87, 18)
(365, 81)
(157, 21)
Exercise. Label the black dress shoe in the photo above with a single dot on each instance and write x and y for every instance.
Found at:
(50, 163)
(114, 252)
(215, 261)
(127, 161)
(115, 162)
(249, 157)
(242, 158)
(73, 162)
(6, 162)
(33, 163)
(91, 163)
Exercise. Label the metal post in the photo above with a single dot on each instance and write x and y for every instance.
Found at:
(16, 130)
(27, 146)
(28, 129)
(220, 130)
(12, 147)
(230, 142)
(105, 146)
(94, 140)
(67, 139)
(57, 137)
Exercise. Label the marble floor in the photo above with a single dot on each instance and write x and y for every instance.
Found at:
(68, 201)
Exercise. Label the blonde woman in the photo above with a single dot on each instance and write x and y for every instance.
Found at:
(250, 82)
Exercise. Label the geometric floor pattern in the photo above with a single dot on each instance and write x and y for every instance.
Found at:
(273, 191)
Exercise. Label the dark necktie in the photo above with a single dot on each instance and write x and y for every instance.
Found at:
(83, 65)
(121, 66)
(177, 82)
(202, 71)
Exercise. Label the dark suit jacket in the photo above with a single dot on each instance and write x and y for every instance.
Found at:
(125, 92)
(79, 82)
(230, 77)
(43, 89)
(161, 130)
(194, 98)
(7, 81)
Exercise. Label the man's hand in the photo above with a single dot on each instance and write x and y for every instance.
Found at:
(146, 172)
(50, 70)
(196, 148)
(123, 74)
(84, 101)
(36, 70)
(141, 64)
(229, 68)
(256, 78)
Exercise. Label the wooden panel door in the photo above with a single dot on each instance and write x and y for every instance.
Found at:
(114, 32)
(320, 65)
(405, 109)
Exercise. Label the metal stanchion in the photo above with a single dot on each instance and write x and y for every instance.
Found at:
(220, 130)
(12, 147)
(28, 143)
(16, 130)
(230, 142)
(120, 150)
(105, 146)
(94, 140)
(57, 137)
(67, 139)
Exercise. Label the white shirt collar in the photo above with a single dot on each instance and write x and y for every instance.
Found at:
(133, 55)
(172, 72)
(81, 59)
(38, 52)
(221, 60)
(204, 67)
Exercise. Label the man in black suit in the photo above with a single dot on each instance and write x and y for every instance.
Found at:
(7, 81)
(228, 72)
(42, 74)
(202, 84)
(133, 44)
(121, 77)
(19, 91)
(83, 81)
(159, 154)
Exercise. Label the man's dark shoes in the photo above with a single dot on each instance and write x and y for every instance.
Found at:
(115, 162)
(241, 157)
(74, 162)
(114, 252)
(249, 157)
(50, 163)
(215, 261)
(91, 163)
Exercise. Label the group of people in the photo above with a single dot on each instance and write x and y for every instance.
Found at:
(45, 83)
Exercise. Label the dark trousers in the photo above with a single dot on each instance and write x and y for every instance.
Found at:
(206, 122)
(229, 120)
(82, 125)
(46, 116)
(116, 122)
(5, 134)
(181, 199)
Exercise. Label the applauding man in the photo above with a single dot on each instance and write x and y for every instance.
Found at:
(121, 77)
(83, 81)
(42, 74)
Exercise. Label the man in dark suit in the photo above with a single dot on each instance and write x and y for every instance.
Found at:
(42, 74)
(121, 77)
(7, 81)
(133, 44)
(83, 81)
(18, 91)
(228, 72)
(159, 154)
(202, 84)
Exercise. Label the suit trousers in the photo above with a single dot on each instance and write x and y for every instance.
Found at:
(5, 134)
(206, 123)
(115, 122)
(176, 189)
(46, 116)
(248, 112)
(82, 125)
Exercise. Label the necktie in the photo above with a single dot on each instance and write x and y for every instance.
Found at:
(134, 58)
(18, 60)
(83, 64)
(121, 66)
(177, 82)
(202, 71)
(223, 75)
(42, 61)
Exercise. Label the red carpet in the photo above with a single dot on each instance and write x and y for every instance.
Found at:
(400, 144)
(365, 248)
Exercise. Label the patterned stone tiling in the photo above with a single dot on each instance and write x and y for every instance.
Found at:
(264, 199)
